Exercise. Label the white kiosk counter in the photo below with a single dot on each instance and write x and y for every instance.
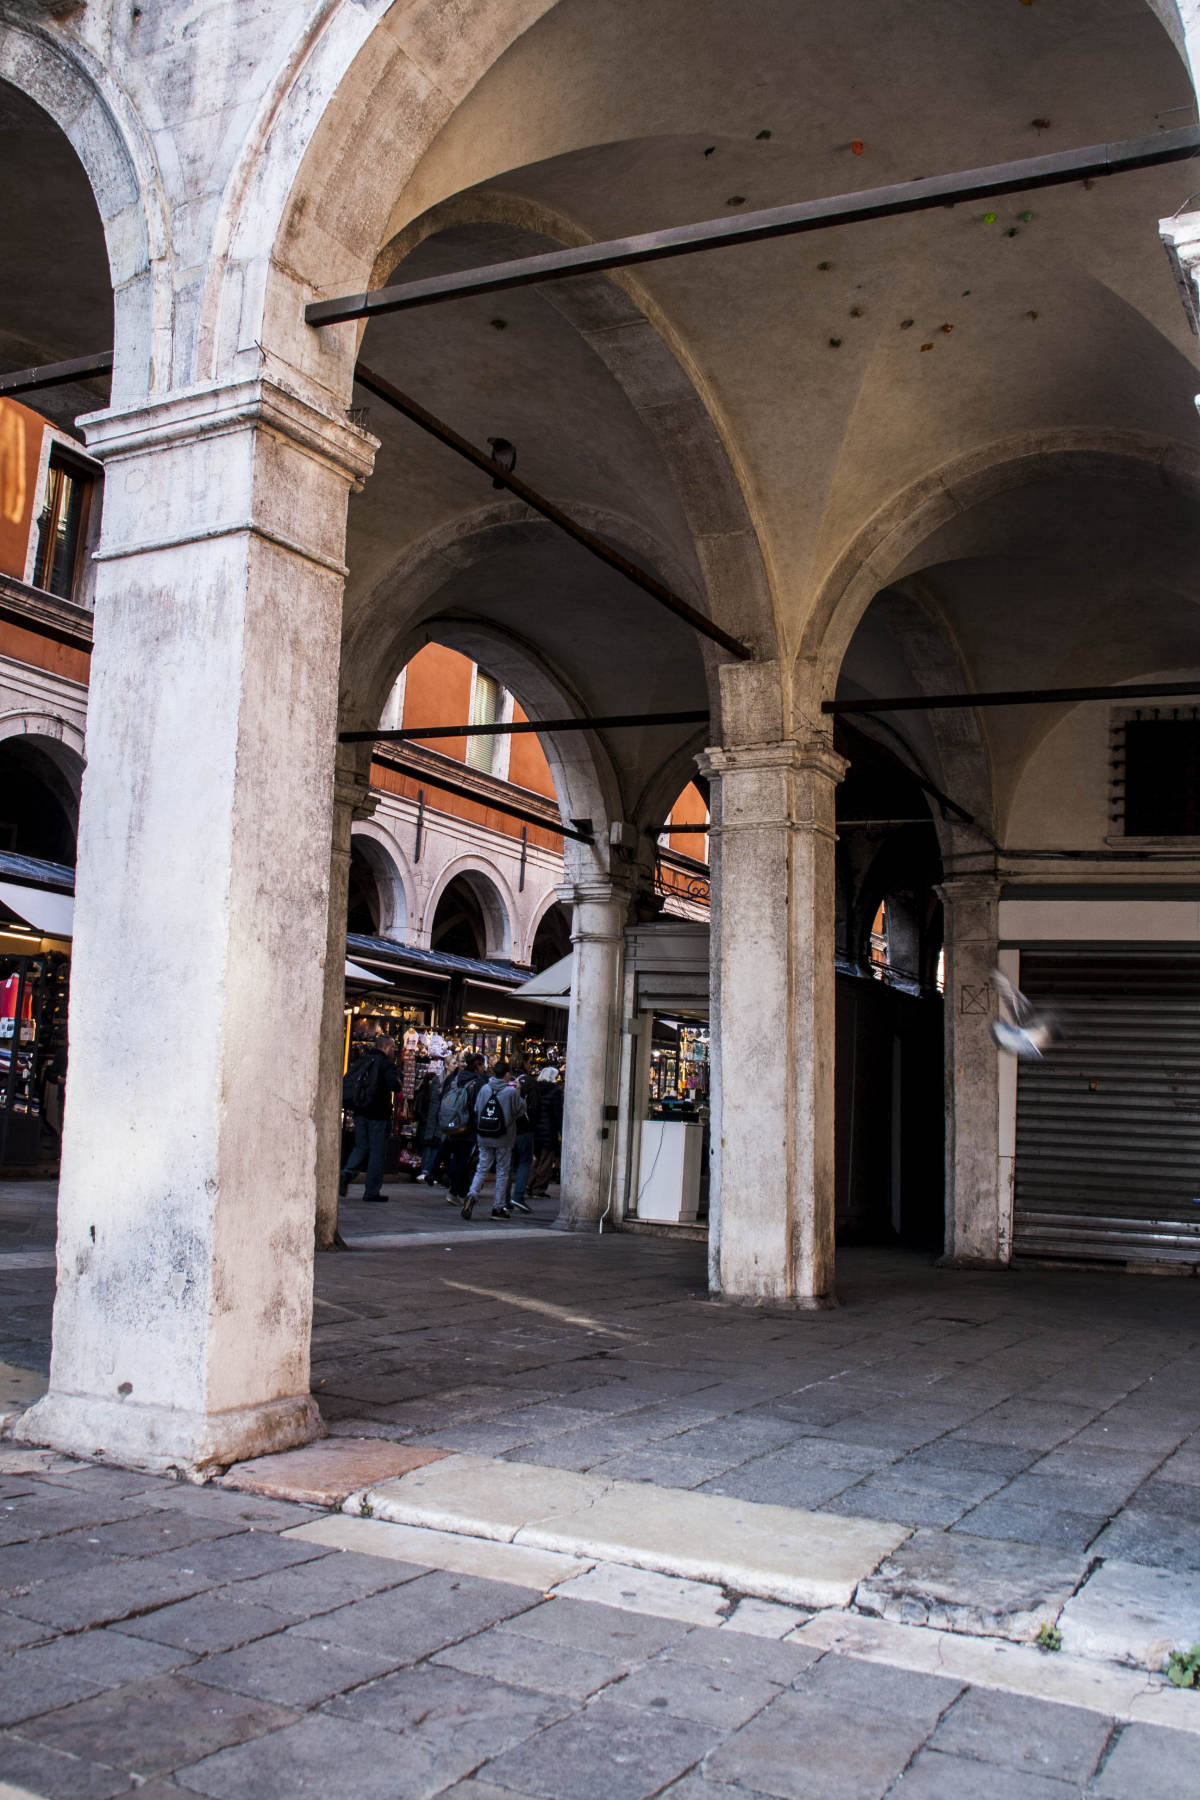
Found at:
(669, 1171)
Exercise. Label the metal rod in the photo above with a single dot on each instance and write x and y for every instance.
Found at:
(883, 752)
(618, 721)
(774, 222)
(445, 434)
(1012, 697)
(524, 813)
(420, 825)
(674, 830)
(48, 375)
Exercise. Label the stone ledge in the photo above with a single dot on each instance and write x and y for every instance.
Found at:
(1060, 1679)
(1130, 1613)
(769, 1552)
(984, 1587)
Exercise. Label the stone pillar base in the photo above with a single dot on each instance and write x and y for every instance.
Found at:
(161, 1438)
(772, 1303)
(565, 1222)
(986, 1263)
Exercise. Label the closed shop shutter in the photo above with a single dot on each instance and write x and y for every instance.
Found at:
(1108, 1126)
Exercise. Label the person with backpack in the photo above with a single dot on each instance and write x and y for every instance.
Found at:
(496, 1131)
(522, 1158)
(456, 1122)
(370, 1084)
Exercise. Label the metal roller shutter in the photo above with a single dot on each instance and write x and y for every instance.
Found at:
(1108, 1126)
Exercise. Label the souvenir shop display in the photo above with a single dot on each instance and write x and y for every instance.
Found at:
(679, 1070)
(33, 1056)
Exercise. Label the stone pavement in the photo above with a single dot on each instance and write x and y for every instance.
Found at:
(183, 1640)
(1032, 1439)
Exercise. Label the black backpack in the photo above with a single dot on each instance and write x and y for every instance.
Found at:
(361, 1083)
(491, 1122)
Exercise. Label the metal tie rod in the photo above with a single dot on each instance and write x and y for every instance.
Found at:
(778, 221)
(620, 721)
(445, 434)
(48, 375)
(579, 829)
(1156, 690)
(23, 381)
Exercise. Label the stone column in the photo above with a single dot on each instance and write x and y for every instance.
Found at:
(773, 1018)
(188, 1192)
(599, 918)
(977, 1225)
(351, 801)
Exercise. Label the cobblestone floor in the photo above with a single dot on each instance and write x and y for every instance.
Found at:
(164, 1635)
(1056, 1408)
(169, 1638)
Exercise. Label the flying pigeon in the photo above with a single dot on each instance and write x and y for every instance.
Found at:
(1030, 1033)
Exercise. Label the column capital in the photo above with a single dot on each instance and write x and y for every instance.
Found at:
(596, 890)
(971, 886)
(1181, 240)
(236, 459)
(225, 407)
(809, 756)
(352, 789)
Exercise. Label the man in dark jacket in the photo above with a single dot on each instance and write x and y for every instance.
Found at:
(372, 1118)
(547, 1132)
(462, 1143)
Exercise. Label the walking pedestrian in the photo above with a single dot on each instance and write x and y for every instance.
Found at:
(431, 1136)
(371, 1083)
(547, 1133)
(456, 1118)
(522, 1158)
(496, 1131)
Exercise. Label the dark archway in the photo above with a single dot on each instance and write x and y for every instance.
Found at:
(552, 939)
(363, 910)
(38, 811)
(459, 927)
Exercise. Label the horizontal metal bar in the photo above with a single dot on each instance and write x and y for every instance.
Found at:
(674, 830)
(774, 222)
(460, 788)
(1012, 697)
(882, 752)
(445, 434)
(48, 375)
(617, 722)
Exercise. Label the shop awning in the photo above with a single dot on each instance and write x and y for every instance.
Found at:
(552, 987)
(354, 973)
(51, 914)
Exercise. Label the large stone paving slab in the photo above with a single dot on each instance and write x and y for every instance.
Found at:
(1129, 1613)
(479, 1496)
(149, 1729)
(981, 1586)
(328, 1472)
(772, 1552)
(804, 1745)
(609, 1752)
(422, 1549)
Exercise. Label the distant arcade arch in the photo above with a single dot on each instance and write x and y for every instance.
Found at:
(551, 937)
(470, 917)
